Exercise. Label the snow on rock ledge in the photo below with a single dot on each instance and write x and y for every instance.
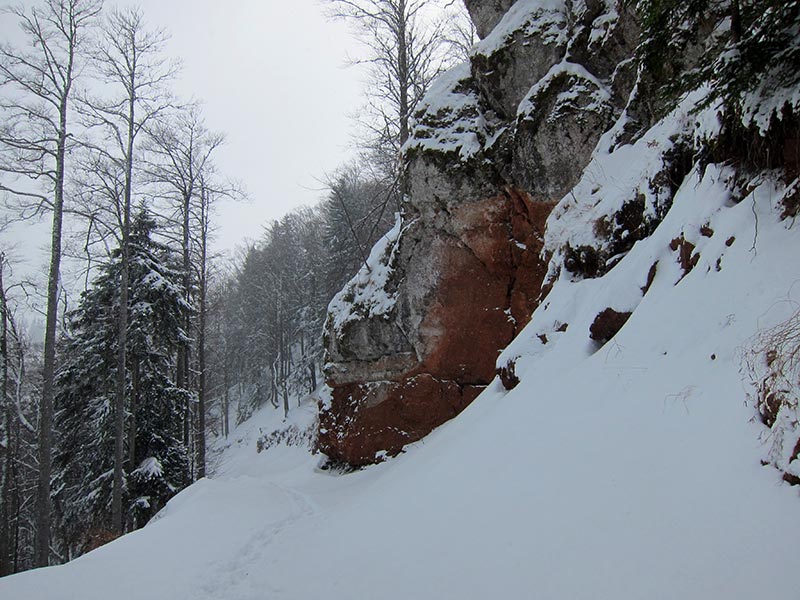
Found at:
(366, 296)
(450, 118)
(411, 344)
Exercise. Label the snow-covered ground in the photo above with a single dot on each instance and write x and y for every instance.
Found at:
(632, 471)
(628, 471)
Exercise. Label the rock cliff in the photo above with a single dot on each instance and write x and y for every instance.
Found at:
(540, 164)
(413, 339)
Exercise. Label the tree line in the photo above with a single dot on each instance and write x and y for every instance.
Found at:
(108, 417)
(108, 425)
(269, 310)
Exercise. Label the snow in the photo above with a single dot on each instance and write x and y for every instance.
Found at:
(584, 84)
(768, 102)
(604, 24)
(551, 20)
(545, 18)
(150, 467)
(366, 294)
(449, 118)
(624, 471)
(617, 175)
(628, 471)
(708, 123)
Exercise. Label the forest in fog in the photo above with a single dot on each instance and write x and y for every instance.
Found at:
(167, 344)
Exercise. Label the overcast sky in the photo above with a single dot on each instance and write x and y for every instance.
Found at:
(273, 77)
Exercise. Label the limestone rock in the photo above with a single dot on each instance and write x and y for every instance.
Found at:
(435, 349)
(495, 144)
(566, 109)
(518, 53)
(486, 14)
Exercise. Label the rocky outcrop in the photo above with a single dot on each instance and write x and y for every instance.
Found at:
(458, 292)
(496, 143)
(485, 14)
(607, 324)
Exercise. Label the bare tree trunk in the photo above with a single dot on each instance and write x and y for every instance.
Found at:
(134, 402)
(43, 502)
(226, 401)
(13, 497)
(119, 390)
(14, 501)
(183, 350)
(122, 333)
(5, 485)
(282, 370)
(402, 71)
(200, 440)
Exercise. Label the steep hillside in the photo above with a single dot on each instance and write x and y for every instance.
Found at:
(564, 142)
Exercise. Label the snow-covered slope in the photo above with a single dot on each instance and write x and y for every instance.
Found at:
(626, 471)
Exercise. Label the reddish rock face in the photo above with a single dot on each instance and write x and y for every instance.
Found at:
(365, 419)
(489, 280)
(414, 336)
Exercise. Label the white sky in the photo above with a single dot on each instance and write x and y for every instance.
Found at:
(272, 77)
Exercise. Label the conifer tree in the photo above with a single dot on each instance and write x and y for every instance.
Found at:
(752, 48)
(157, 461)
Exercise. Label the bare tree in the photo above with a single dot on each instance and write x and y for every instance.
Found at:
(34, 140)
(181, 164)
(207, 195)
(221, 302)
(16, 433)
(6, 453)
(130, 62)
(406, 51)
(181, 151)
(460, 33)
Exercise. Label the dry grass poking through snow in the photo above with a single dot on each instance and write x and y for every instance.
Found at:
(772, 364)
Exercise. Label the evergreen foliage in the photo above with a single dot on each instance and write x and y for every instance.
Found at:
(157, 465)
(747, 51)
